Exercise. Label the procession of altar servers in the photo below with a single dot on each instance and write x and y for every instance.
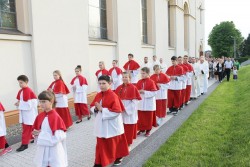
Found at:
(142, 105)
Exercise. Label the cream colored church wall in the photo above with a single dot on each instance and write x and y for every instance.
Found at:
(129, 30)
(15, 60)
(179, 32)
(161, 30)
(60, 39)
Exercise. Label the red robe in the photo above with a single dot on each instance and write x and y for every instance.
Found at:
(82, 80)
(1, 107)
(189, 86)
(189, 67)
(109, 149)
(117, 69)
(129, 92)
(146, 119)
(59, 87)
(28, 94)
(131, 65)
(104, 72)
(161, 78)
(183, 91)
(161, 104)
(2, 138)
(174, 96)
(55, 121)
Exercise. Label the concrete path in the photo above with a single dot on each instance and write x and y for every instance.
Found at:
(81, 142)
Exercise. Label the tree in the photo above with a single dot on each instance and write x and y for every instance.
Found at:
(245, 48)
(221, 39)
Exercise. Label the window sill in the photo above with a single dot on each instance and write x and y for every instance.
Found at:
(101, 42)
(147, 46)
(171, 48)
(14, 35)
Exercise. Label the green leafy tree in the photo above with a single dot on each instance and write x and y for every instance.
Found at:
(221, 39)
(245, 47)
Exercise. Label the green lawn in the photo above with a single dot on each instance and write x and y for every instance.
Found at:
(217, 133)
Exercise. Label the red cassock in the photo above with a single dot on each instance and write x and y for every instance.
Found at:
(109, 149)
(174, 93)
(161, 103)
(103, 72)
(3, 141)
(117, 69)
(129, 92)
(2, 138)
(82, 80)
(183, 91)
(131, 65)
(189, 86)
(1, 107)
(81, 109)
(146, 118)
(55, 121)
(59, 87)
(27, 94)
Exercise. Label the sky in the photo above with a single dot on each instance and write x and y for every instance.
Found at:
(217, 11)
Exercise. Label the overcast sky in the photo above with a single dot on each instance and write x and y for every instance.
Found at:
(237, 11)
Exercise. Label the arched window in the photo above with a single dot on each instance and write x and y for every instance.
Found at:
(8, 14)
(144, 11)
(98, 19)
(186, 27)
(171, 23)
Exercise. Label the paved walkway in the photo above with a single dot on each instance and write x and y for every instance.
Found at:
(80, 145)
(245, 63)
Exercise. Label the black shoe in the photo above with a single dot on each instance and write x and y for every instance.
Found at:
(79, 121)
(97, 165)
(175, 111)
(22, 148)
(118, 162)
(89, 117)
(170, 110)
(32, 141)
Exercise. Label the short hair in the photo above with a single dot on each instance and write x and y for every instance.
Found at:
(173, 58)
(185, 55)
(146, 69)
(48, 95)
(104, 77)
(130, 54)
(79, 67)
(145, 57)
(156, 67)
(126, 73)
(23, 78)
(179, 57)
(116, 61)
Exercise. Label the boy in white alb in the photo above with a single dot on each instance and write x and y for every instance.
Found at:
(27, 105)
(111, 143)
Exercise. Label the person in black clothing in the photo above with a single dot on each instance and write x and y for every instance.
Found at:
(219, 69)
